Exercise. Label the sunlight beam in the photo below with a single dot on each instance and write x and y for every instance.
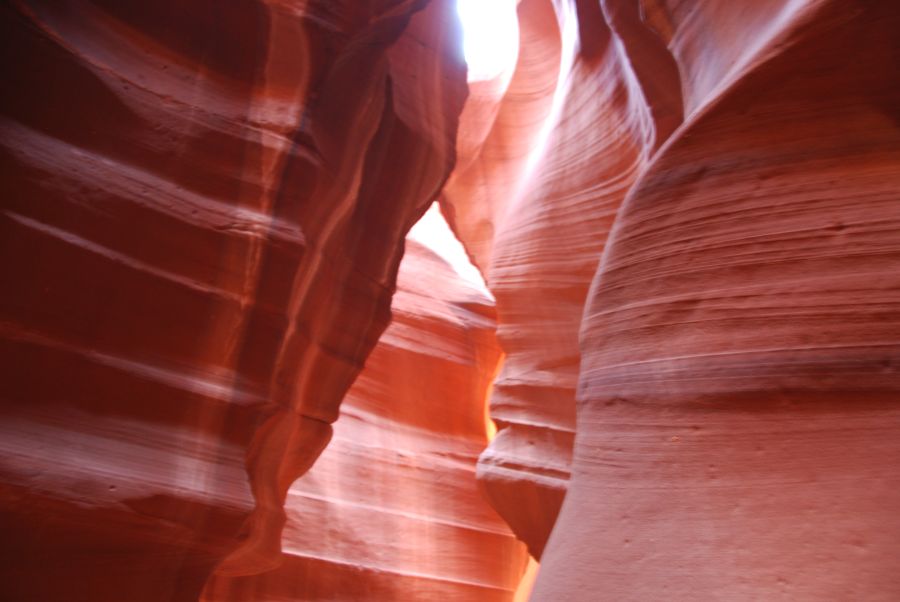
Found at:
(490, 37)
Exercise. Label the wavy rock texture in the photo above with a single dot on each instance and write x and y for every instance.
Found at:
(737, 415)
(204, 212)
(534, 199)
(391, 510)
(686, 210)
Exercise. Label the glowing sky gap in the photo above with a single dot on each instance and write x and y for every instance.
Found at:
(433, 232)
(490, 36)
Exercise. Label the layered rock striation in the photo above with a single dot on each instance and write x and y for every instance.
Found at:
(737, 414)
(738, 158)
(391, 510)
(203, 215)
(687, 214)
(593, 95)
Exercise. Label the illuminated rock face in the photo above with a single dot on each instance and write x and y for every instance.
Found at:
(687, 213)
(203, 214)
(391, 510)
(737, 407)
(535, 205)
(736, 361)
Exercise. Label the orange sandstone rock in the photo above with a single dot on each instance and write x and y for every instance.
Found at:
(737, 415)
(203, 214)
(391, 510)
(588, 104)
(687, 214)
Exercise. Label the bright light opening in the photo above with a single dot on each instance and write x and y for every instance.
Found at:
(490, 36)
(433, 232)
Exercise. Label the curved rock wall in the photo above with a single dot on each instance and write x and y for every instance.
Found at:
(742, 306)
(584, 111)
(737, 415)
(203, 215)
(687, 214)
(391, 510)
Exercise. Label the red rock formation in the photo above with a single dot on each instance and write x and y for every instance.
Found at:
(201, 225)
(768, 206)
(534, 203)
(738, 417)
(686, 211)
(391, 510)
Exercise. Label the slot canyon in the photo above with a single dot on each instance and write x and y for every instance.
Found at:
(450, 300)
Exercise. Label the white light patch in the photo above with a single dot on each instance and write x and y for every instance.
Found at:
(490, 36)
(433, 232)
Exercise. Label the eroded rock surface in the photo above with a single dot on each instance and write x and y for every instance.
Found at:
(737, 415)
(203, 214)
(391, 510)
(739, 155)
(686, 211)
(593, 95)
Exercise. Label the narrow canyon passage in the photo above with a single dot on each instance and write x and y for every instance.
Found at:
(450, 300)
(391, 509)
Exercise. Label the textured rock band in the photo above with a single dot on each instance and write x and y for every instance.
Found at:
(687, 216)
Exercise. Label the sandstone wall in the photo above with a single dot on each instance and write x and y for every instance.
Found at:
(737, 402)
(391, 510)
(203, 214)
